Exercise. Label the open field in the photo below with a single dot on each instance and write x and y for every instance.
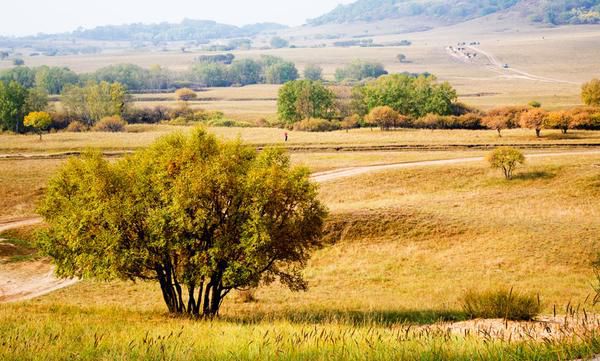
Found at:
(405, 245)
(142, 135)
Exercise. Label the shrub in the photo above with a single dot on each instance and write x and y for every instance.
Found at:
(145, 115)
(110, 124)
(219, 122)
(385, 117)
(77, 127)
(350, 122)
(185, 94)
(317, 125)
(507, 159)
(504, 304)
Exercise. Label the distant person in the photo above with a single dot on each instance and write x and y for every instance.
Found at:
(285, 135)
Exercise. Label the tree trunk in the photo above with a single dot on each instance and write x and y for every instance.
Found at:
(499, 132)
(538, 132)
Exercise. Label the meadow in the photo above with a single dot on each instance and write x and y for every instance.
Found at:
(403, 249)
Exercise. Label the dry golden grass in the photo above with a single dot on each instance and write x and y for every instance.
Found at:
(143, 135)
(417, 239)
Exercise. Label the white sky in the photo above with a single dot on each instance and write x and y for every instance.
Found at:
(27, 17)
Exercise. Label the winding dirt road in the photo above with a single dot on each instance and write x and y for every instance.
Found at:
(495, 66)
(22, 281)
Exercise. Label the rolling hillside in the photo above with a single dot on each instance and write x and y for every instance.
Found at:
(455, 11)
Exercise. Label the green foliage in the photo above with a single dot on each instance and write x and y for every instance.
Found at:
(535, 104)
(313, 72)
(278, 42)
(302, 99)
(504, 304)
(245, 72)
(359, 70)
(95, 101)
(590, 92)
(200, 216)
(406, 94)
(317, 125)
(54, 79)
(507, 159)
(281, 73)
(211, 74)
(13, 105)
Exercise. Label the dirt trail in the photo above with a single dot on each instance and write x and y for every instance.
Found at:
(355, 171)
(495, 66)
(22, 281)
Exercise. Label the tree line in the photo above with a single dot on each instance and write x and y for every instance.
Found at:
(420, 101)
(219, 70)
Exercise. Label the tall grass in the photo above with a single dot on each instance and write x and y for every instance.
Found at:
(502, 303)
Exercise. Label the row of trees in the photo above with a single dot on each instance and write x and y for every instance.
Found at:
(406, 95)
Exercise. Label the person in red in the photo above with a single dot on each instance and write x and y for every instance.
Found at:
(285, 135)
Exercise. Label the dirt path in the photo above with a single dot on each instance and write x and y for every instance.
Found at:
(355, 171)
(495, 66)
(22, 281)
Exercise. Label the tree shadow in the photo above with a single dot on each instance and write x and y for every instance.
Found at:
(561, 136)
(534, 175)
(351, 318)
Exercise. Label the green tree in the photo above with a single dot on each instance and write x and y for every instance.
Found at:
(590, 92)
(21, 74)
(54, 79)
(95, 101)
(301, 99)
(406, 94)
(39, 121)
(507, 159)
(313, 72)
(37, 99)
(281, 73)
(359, 70)
(200, 226)
(245, 72)
(211, 74)
(278, 42)
(13, 105)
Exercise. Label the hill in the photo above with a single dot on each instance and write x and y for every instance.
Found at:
(554, 12)
(187, 30)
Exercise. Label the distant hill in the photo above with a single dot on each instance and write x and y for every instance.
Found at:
(455, 11)
(187, 30)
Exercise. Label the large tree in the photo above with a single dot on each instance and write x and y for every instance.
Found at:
(409, 95)
(13, 105)
(534, 118)
(302, 99)
(95, 101)
(199, 216)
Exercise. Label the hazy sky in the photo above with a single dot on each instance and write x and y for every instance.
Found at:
(25, 17)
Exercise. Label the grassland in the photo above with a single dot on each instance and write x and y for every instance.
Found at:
(405, 245)
(142, 135)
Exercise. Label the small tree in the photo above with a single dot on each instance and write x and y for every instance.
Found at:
(313, 72)
(495, 122)
(40, 121)
(350, 122)
(278, 42)
(534, 119)
(562, 120)
(199, 216)
(590, 92)
(507, 159)
(384, 116)
(185, 94)
(401, 58)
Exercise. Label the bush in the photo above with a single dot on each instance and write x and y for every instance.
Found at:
(507, 159)
(185, 94)
(77, 127)
(504, 304)
(110, 124)
(317, 125)
(145, 115)
(219, 122)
